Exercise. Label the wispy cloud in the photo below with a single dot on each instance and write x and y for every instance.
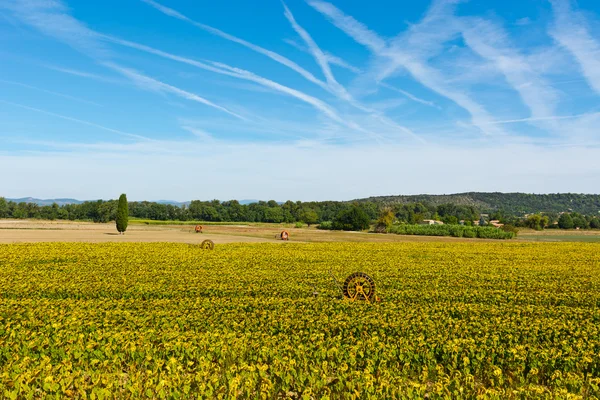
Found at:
(334, 86)
(350, 26)
(79, 121)
(331, 59)
(84, 74)
(331, 85)
(271, 54)
(492, 43)
(317, 103)
(551, 118)
(199, 133)
(250, 171)
(239, 73)
(317, 54)
(409, 95)
(52, 18)
(570, 31)
(147, 83)
(63, 95)
(411, 50)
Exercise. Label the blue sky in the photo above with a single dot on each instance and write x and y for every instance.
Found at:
(302, 100)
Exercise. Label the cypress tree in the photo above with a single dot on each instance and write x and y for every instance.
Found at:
(122, 214)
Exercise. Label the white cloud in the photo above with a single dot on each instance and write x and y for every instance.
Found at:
(271, 54)
(492, 43)
(63, 95)
(318, 55)
(314, 172)
(79, 121)
(52, 18)
(84, 74)
(571, 32)
(199, 133)
(331, 59)
(147, 83)
(410, 51)
(342, 152)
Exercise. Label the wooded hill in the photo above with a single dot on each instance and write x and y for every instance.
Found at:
(510, 203)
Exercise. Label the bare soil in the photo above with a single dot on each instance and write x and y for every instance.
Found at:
(23, 231)
(61, 231)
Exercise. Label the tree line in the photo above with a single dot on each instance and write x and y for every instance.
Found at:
(332, 214)
(231, 211)
(517, 204)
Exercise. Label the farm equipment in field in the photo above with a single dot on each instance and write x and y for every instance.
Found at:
(207, 245)
(358, 286)
(198, 229)
(284, 235)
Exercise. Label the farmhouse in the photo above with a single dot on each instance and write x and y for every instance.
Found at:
(431, 222)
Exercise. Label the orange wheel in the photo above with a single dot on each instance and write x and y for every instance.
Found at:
(207, 245)
(198, 229)
(285, 235)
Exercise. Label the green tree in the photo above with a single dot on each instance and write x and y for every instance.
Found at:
(122, 214)
(565, 221)
(309, 216)
(579, 221)
(595, 223)
(537, 222)
(273, 214)
(450, 220)
(385, 221)
(352, 218)
(3, 208)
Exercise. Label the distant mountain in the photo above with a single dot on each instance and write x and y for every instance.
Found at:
(187, 203)
(46, 202)
(248, 201)
(512, 203)
(60, 202)
(173, 202)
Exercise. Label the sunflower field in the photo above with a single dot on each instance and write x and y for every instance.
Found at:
(173, 321)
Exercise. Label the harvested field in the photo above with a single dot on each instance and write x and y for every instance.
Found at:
(23, 231)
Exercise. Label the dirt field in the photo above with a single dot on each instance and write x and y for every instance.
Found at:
(15, 231)
(37, 231)
(12, 231)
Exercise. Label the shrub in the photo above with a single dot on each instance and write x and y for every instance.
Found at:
(469, 233)
(380, 227)
(510, 228)
(325, 225)
(353, 218)
(386, 219)
(299, 225)
(452, 230)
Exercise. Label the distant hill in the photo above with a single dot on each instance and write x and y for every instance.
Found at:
(517, 204)
(173, 202)
(187, 203)
(60, 202)
(45, 202)
(512, 203)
